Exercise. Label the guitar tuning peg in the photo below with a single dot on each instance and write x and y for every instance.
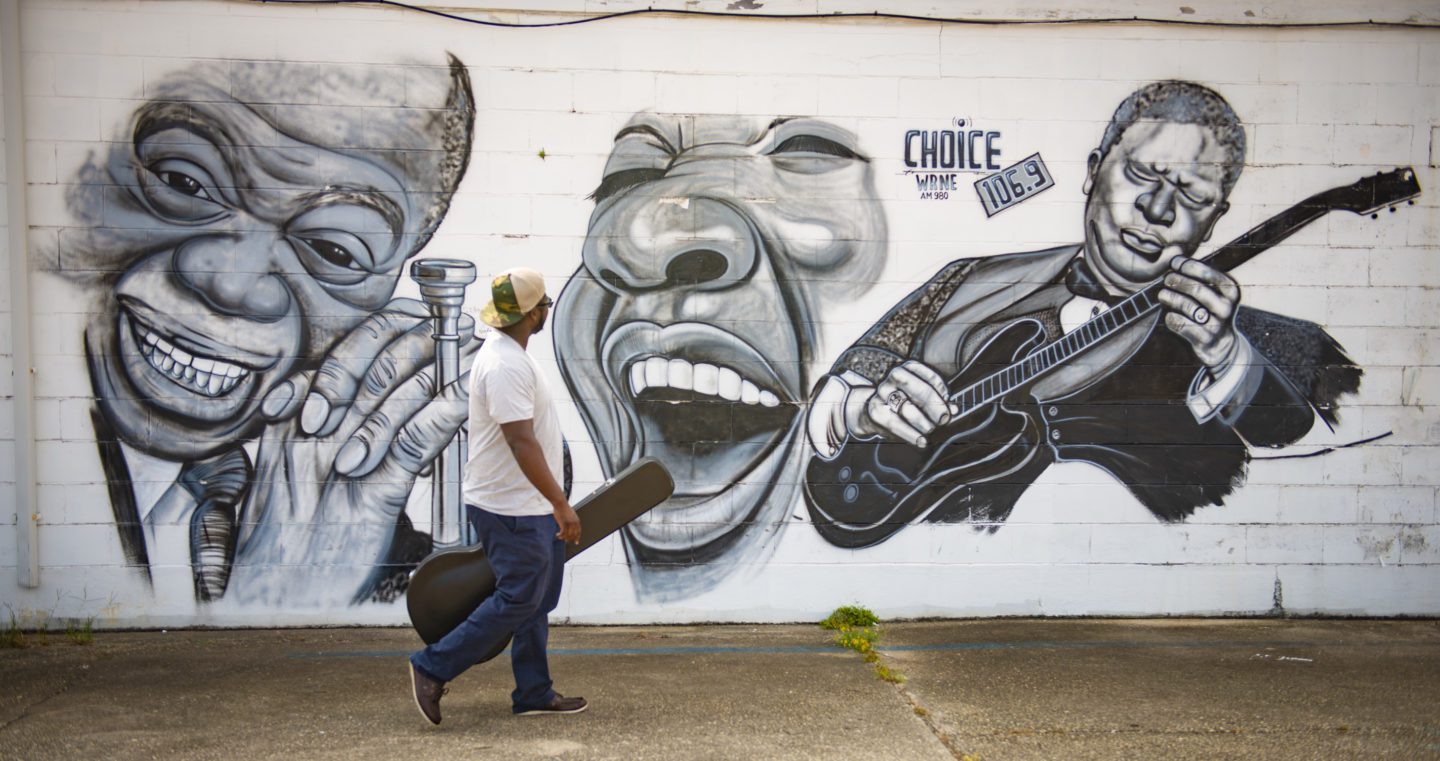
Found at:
(1374, 216)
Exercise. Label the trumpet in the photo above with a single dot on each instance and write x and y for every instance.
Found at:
(442, 288)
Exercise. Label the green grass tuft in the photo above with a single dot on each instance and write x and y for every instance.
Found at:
(12, 636)
(81, 634)
(848, 617)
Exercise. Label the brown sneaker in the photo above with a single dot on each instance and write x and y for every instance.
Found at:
(558, 704)
(427, 693)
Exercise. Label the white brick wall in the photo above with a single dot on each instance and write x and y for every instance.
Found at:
(1355, 531)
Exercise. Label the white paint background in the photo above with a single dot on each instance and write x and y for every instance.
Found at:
(1351, 533)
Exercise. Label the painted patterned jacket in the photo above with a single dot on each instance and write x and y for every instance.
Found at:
(1127, 405)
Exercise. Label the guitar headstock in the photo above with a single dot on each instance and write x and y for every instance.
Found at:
(1369, 195)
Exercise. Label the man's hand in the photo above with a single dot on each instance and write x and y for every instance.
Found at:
(339, 457)
(907, 405)
(569, 522)
(1200, 303)
(530, 456)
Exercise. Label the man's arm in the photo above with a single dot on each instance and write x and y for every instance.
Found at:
(520, 435)
(906, 406)
(875, 389)
(1237, 385)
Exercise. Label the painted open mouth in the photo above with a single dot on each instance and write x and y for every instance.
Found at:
(700, 393)
(209, 376)
(703, 406)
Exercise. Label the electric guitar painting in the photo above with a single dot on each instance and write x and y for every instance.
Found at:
(872, 487)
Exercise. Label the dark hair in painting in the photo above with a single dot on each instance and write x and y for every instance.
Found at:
(457, 128)
(1182, 103)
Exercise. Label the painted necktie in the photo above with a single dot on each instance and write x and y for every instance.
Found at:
(218, 486)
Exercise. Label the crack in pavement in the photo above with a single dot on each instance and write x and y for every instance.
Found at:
(65, 686)
(927, 717)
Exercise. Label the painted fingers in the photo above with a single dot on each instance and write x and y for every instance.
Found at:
(374, 393)
(909, 403)
(1200, 303)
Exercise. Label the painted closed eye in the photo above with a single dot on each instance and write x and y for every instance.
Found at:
(1138, 173)
(815, 144)
(1141, 173)
(812, 155)
(1194, 200)
(621, 181)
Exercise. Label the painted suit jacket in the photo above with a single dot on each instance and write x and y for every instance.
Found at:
(212, 531)
(1120, 406)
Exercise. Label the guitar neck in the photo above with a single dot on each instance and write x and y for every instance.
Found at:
(1144, 301)
(1267, 234)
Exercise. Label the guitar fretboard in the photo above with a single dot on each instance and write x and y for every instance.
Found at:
(996, 385)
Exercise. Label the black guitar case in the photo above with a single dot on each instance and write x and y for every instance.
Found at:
(447, 587)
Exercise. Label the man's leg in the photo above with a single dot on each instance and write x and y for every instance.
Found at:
(528, 658)
(520, 554)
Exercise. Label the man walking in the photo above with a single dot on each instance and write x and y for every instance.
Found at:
(516, 505)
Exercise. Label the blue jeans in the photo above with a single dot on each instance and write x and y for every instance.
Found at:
(529, 564)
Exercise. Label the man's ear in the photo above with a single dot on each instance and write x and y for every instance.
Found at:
(1092, 168)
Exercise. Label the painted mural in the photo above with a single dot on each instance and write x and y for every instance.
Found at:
(1129, 350)
(263, 404)
(717, 246)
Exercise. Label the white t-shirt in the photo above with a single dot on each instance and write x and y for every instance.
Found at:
(505, 386)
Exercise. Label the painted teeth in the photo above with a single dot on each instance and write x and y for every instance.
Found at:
(206, 375)
(702, 378)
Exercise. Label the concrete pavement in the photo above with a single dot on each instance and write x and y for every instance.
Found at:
(982, 689)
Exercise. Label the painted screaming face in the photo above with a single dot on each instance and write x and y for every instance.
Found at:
(691, 328)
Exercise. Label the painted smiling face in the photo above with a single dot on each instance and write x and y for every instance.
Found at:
(689, 333)
(244, 247)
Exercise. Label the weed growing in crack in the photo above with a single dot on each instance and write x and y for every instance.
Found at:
(858, 629)
(860, 640)
(886, 674)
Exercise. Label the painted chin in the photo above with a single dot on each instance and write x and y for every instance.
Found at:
(173, 373)
(710, 407)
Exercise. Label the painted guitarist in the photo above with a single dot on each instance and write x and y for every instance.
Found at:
(1168, 404)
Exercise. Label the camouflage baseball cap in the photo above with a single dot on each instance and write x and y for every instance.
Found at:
(513, 293)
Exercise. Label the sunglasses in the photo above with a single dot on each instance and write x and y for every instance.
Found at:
(546, 302)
